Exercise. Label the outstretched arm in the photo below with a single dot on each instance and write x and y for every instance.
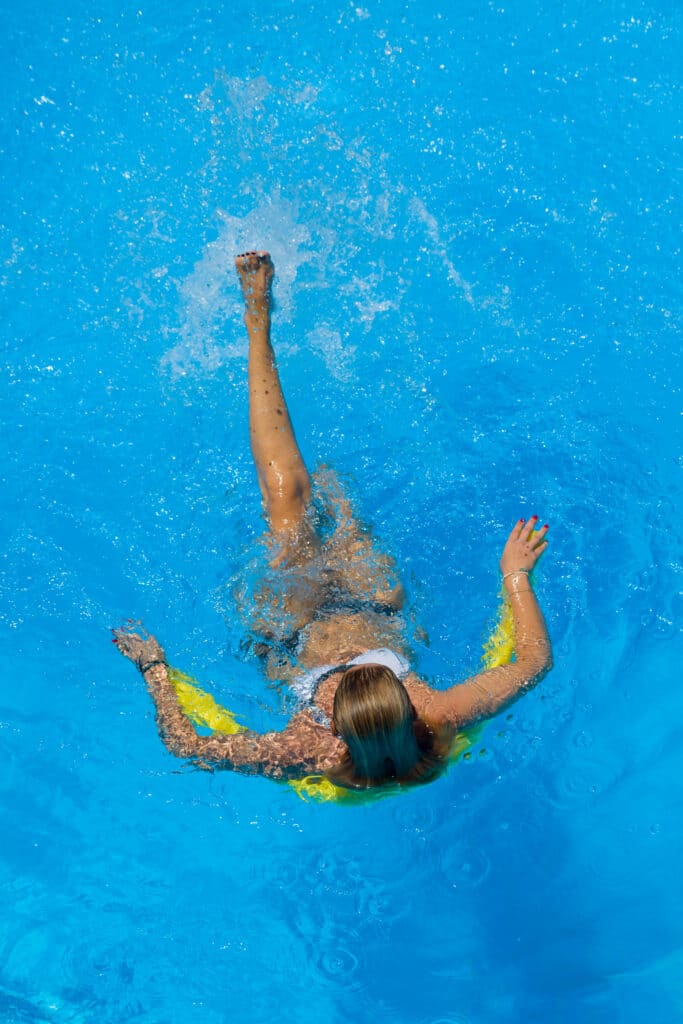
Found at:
(295, 752)
(487, 693)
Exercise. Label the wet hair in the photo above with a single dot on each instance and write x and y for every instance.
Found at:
(386, 741)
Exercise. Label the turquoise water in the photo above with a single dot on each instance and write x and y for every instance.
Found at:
(474, 215)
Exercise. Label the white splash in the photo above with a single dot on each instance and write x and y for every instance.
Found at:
(211, 330)
(420, 212)
(369, 213)
(338, 357)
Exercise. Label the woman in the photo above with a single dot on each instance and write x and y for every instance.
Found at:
(334, 630)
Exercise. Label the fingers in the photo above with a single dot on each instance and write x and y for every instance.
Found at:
(124, 634)
(132, 628)
(528, 533)
(122, 640)
(128, 640)
(516, 531)
(528, 529)
(538, 538)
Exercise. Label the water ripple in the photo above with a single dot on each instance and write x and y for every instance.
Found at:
(337, 962)
(464, 866)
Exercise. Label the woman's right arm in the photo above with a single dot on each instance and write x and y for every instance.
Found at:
(300, 749)
(487, 693)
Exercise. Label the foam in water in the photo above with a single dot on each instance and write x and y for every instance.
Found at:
(358, 233)
(339, 358)
(210, 295)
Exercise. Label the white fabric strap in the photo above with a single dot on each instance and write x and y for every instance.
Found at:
(383, 656)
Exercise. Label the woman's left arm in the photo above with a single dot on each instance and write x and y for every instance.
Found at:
(487, 693)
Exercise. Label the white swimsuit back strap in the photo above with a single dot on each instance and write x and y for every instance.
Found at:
(383, 656)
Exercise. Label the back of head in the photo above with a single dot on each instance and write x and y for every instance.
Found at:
(375, 718)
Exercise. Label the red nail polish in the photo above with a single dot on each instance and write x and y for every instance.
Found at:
(545, 526)
(534, 517)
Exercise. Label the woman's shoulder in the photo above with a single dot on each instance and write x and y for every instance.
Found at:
(418, 689)
(315, 741)
(427, 702)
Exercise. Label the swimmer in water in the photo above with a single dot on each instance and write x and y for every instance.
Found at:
(364, 718)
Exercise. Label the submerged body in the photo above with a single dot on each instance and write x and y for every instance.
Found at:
(329, 622)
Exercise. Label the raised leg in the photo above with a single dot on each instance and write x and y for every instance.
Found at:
(350, 569)
(283, 478)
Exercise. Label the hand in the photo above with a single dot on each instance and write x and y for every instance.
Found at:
(524, 546)
(140, 647)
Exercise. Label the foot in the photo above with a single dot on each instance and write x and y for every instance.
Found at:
(255, 271)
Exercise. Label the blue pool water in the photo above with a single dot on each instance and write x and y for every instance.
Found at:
(474, 213)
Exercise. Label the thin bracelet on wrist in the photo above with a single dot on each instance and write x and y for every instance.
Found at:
(150, 664)
(515, 572)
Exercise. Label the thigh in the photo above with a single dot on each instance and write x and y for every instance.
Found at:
(354, 559)
(292, 589)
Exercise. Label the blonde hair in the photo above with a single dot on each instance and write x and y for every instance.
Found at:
(385, 739)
